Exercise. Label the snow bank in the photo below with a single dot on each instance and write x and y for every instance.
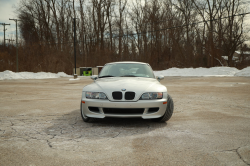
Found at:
(244, 72)
(9, 75)
(194, 72)
(205, 72)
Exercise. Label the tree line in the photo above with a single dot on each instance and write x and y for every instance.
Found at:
(163, 33)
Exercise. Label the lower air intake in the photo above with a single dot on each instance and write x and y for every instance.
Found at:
(153, 110)
(123, 111)
(94, 109)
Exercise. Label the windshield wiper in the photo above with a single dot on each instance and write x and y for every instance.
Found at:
(106, 76)
(128, 76)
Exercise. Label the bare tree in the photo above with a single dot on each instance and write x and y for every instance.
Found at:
(160, 32)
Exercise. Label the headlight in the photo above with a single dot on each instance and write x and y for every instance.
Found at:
(151, 95)
(95, 95)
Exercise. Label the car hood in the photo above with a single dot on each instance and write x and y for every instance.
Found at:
(139, 85)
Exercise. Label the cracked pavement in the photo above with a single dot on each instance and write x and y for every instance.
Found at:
(40, 124)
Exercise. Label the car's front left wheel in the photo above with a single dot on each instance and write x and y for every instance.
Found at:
(84, 117)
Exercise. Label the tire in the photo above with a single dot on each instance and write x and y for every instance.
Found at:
(169, 111)
(84, 117)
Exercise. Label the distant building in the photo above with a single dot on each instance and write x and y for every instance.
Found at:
(244, 55)
(238, 57)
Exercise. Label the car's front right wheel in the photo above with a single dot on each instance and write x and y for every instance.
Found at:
(169, 111)
(84, 117)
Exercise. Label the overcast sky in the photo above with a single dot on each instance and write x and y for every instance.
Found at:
(7, 10)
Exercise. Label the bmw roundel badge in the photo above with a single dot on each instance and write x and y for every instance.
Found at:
(123, 89)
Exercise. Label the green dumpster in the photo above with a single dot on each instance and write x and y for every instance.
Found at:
(87, 72)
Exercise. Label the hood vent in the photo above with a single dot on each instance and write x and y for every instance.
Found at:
(117, 95)
(129, 95)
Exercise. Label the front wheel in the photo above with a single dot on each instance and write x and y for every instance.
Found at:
(84, 117)
(169, 111)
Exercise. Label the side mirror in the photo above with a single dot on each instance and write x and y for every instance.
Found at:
(159, 78)
(94, 77)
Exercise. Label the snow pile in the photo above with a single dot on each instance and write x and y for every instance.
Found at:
(194, 72)
(9, 75)
(244, 72)
(205, 72)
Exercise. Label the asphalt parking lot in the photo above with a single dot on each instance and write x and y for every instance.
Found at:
(40, 124)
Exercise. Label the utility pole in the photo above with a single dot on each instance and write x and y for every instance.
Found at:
(74, 22)
(16, 45)
(4, 32)
(75, 75)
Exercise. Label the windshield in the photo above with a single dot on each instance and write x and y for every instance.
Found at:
(126, 70)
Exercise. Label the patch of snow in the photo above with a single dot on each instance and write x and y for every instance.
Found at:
(9, 75)
(244, 72)
(73, 79)
(234, 57)
(225, 57)
(244, 52)
(200, 72)
(193, 72)
(62, 74)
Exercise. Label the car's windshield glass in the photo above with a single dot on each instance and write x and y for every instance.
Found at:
(126, 70)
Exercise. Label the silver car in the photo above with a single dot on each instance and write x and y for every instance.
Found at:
(126, 90)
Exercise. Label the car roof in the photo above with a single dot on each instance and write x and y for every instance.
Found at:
(126, 62)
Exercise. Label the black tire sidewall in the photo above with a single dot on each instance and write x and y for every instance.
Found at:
(169, 111)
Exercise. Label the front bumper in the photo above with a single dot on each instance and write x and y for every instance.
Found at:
(143, 104)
